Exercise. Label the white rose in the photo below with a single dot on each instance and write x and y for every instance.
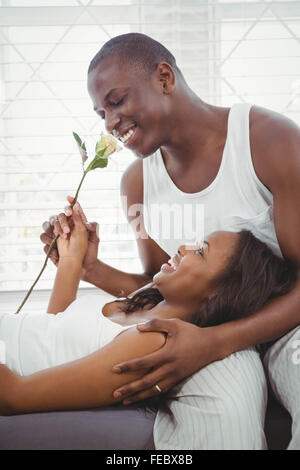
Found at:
(109, 143)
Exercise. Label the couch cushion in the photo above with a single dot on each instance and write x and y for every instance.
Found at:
(110, 428)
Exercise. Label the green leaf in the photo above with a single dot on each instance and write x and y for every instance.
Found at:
(78, 139)
(81, 147)
(98, 163)
(101, 163)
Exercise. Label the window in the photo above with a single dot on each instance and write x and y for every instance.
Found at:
(228, 51)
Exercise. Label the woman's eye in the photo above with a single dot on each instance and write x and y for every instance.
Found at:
(200, 251)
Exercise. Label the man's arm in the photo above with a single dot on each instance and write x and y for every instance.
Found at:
(275, 148)
(113, 281)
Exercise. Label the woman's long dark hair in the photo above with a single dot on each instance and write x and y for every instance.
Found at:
(253, 276)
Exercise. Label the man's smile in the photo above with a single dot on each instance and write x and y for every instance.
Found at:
(127, 136)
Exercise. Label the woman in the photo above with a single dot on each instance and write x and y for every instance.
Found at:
(229, 274)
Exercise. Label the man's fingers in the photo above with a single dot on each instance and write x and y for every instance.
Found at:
(149, 393)
(54, 255)
(93, 229)
(52, 219)
(47, 226)
(54, 252)
(157, 324)
(47, 239)
(141, 385)
(145, 362)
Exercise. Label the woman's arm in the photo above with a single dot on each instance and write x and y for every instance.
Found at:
(65, 285)
(72, 251)
(84, 383)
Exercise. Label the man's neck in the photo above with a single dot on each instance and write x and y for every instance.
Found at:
(196, 129)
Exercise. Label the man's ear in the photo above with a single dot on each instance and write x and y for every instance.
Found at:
(166, 76)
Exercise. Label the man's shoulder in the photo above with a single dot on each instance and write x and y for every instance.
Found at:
(274, 142)
(132, 182)
(265, 123)
(132, 179)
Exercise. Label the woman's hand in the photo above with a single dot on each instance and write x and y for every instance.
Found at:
(61, 223)
(188, 348)
(76, 243)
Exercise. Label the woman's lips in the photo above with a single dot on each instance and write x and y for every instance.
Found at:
(171, 265)
(167, 268)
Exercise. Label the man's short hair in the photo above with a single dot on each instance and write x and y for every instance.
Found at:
(138, 50)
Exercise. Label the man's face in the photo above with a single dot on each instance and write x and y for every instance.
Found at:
(128, 101)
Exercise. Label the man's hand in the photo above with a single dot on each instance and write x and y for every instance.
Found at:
(61, 224)
(188, 348)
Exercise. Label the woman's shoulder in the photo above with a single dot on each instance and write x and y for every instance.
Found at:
(113, 307)
(141, 342)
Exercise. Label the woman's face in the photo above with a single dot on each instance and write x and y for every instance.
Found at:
(188, 277)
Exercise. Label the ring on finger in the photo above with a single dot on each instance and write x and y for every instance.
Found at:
(158, 388)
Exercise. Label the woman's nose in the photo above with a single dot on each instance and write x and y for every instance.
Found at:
(181, 250)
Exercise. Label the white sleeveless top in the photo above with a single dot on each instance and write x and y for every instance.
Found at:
(35, 342)
(235, 200)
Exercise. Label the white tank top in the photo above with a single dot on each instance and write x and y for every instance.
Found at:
(34, 342)
(235, 200)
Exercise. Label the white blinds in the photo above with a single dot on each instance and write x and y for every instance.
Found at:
(228, 51)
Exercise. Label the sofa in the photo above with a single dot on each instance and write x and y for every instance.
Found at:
(111, 428)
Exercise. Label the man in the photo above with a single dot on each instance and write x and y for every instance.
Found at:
(243, 165)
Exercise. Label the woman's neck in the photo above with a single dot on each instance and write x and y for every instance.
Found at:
(166, 310)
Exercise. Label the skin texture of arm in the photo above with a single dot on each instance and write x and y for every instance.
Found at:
(84, 383)
(275, 148)
(65, 285)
